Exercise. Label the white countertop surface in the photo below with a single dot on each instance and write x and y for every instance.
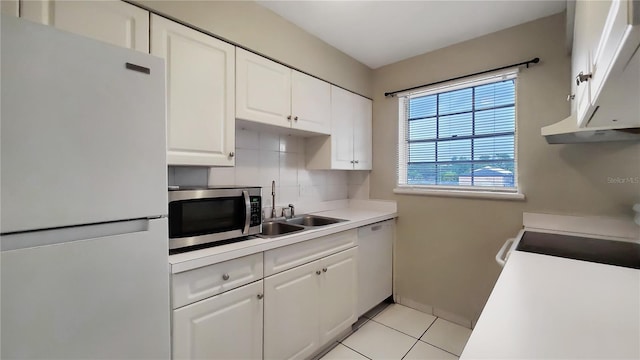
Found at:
(546, 307)
(359, 213)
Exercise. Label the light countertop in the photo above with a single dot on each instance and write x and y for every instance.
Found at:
(546, 307)
(358, 213)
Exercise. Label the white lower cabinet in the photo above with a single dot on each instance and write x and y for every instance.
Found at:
(338, 296)
(225, 326)
(291, 322)
(309, 305)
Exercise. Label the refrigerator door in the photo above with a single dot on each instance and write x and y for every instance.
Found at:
(103, 297)
(83, 134)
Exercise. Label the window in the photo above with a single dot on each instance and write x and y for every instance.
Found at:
(460, 136)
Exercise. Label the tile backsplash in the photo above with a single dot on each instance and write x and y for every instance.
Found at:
(262, 157)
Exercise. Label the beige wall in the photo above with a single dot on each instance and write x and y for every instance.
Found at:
(256, 28)
(446, 246)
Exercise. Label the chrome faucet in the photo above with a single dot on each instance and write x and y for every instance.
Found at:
(273, 199)
(293, 210)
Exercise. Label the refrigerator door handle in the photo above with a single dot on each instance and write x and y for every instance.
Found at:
(28, 239)
(247, 212)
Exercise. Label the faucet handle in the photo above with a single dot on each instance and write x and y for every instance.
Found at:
(293, 209)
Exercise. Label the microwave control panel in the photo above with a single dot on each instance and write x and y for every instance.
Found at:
(256, 210)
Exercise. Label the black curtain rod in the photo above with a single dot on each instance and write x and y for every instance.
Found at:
(532, 61)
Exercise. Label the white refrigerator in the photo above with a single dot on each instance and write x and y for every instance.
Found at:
(83, 198)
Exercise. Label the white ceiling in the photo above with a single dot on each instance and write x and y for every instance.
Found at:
(378, 33)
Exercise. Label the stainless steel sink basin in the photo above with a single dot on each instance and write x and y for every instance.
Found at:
(276, 228)
(282, 226)
(313, 220)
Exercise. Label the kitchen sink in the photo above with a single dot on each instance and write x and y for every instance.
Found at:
(277, 228)
(313, 220)
(282, 226)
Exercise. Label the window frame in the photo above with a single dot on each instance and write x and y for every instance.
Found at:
(508, 193)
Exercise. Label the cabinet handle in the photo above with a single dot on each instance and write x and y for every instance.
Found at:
(571, 97)
(232, 154)
(318, 272)
(376, 228)
(357, 161)
(260, 296)
(353, 162)
(225, 277)
(580, 78)
(324, 269)
(134, 67)
(295, 118)
(289, 117)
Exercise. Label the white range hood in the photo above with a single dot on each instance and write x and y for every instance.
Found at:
(568, 132)
(613, 109)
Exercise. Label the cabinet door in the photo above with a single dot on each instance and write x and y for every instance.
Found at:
(607, 47)
(263, 90)
(338, 294)
(362, 134)
(111, 21)
(580, 60)
(200, 94)
(9, 7)
(310, 103)
(343, 112)
(291, 322)
(226, 326)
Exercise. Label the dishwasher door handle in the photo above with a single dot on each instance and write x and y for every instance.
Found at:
(501, 256)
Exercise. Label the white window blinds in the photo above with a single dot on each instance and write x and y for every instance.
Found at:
(460, 136)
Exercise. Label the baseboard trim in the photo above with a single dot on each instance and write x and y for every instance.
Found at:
(429, 309)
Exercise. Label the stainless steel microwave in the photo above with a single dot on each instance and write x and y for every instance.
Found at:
(202, 215)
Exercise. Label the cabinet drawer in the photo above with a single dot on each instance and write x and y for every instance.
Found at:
(194, 285)
(287, 257)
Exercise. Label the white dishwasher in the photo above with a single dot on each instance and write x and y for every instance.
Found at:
(375, 264)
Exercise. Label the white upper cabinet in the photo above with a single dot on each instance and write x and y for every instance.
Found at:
(606, 35)
(310, 103)
(349, 146)
(263, 91)
(362, 134)
(200, 94)
(273, 94)
(9, 7)
(111, 21)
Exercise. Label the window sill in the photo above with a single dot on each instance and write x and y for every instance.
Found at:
(493, 195)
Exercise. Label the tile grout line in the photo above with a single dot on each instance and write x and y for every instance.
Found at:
(389, 327)
(411, 348)
(430, 325)
(356, 351)
(402, 332)
(435, 346)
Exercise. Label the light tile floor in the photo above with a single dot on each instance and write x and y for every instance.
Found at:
(399, 332)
